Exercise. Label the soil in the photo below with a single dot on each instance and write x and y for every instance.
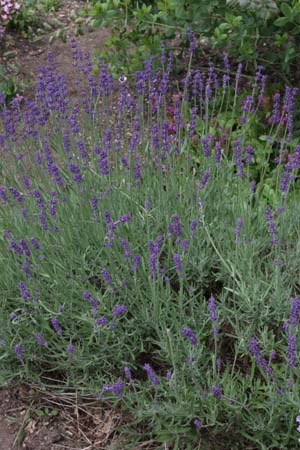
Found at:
(28, 55)
(31, 419)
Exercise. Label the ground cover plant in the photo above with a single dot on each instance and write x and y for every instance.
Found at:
(252, 31)
(150, 248)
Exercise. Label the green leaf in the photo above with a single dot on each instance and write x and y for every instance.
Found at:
(281, 21)
(286, 10)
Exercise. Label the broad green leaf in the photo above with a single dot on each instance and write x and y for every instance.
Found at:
(286, 10)
(281, 21)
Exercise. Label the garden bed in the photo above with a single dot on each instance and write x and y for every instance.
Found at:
(150, 257)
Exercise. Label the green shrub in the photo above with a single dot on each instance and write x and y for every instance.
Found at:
(139, 261)
(256, 32)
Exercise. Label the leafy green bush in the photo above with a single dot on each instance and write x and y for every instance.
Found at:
(251, 31)
(10, 85)
(255, 32)
(142, 263)
(30, 16)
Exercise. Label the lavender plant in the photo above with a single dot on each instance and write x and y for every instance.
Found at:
(149, 249)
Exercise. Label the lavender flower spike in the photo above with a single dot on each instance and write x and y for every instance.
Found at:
(116, 388)
(18, 350)
(238, 226)
(56, 326)
(216, 392)
(298, 423)
(127, 373)
(213, 312)
(106, 276)
(177, 263)
(118, 310)
(187, 332)
(151, 374)
(40, 340)
(260, 360)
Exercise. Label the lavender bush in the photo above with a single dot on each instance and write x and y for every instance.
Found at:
(149, 248)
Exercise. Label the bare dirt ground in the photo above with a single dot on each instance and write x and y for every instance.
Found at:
(28, 55)
(31, 419)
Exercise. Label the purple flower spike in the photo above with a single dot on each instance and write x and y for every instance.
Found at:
(103, 163)
(216, 392)
(137, 169)
(298, 423)
(125, 247)
(40, 340)
(94, 203)
(106, 276)
(88, 296)
(294, 318)
(177, 263)
(18, 350)
(24, 291)
(125, 218)
(213, 313)
(191, 39)
(285, 179)
(13, 245)
(238, 226)
(239, 72)
(34, 243)
(275, 118)
(3, 194)
(56, 326)
(249, 154)
(259, 359)
(25, 247)
(135, 262)
(238, 158)
(116, 388)
(70, 349)
(118, 310)
(154, 250)
(218, 153)
(6, 234)
(197, 424)
(193, 226)
(127, 373)
(75, 171)
(205, 140)
(151, 375)
(252, 187)
(169, 375)
(271, 225)
(187, 332)
(212, 308)
(176, 225)
(101, 321)
(16, 194)
(204, 180)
